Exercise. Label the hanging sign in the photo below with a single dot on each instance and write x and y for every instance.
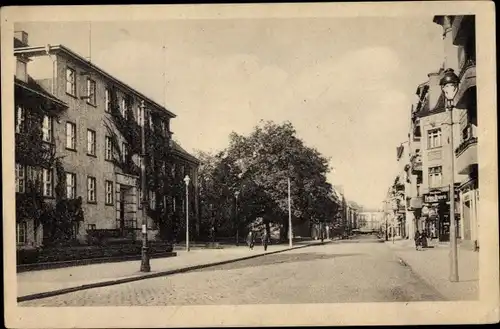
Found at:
(436, 197)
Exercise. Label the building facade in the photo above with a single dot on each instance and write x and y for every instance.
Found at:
(459, 41)
(431, 151)
(97, 141)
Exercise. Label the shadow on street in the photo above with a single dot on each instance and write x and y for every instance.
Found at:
(276, 259)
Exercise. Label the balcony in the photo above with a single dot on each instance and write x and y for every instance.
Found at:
(466, 154)
(416, 163)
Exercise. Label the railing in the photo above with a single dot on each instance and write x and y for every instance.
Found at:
(464, 145)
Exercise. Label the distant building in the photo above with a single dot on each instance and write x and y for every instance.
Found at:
(370, 220)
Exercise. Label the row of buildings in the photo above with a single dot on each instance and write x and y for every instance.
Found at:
(419, 198)
(86, 117)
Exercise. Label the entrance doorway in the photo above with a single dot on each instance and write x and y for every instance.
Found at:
(125, 208)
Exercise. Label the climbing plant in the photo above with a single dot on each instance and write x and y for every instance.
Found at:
(157, 159)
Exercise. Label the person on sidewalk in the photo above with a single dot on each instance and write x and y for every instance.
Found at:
(250, 239)
(265, 239)
(417, 239)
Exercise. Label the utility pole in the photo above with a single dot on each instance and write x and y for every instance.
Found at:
(449, 85)
(290, 232)
(145, 266)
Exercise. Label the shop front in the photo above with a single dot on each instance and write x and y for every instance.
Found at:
(469, 200)
(436, 215)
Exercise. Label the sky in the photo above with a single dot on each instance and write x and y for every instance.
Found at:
(346, 84)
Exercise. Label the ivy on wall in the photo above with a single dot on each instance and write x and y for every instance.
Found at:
(157, 159)
(57, 216)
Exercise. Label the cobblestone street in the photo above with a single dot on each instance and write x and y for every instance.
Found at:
(331, 273)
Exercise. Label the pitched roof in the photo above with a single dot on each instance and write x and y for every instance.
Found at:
(41, 50)
(178, 150)
(32, 86)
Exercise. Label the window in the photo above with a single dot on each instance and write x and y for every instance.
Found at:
(124, 151)
(74, 229)
(70, 185)
(70, 81)
(91, 227)
(163, 126)
(140, 116)
(91, 189)
(434, 138)
(150, 119)
(109, 192)
(173, 204)
(22, 233)
(20, 178)
(107, 95)
(173, 170)
(152, 200)
(20, 117)
(70, 136)
(139, 195)
(123, 108)
(91, 91)
(435, 176)
(34, 175)
(91, 142)
(109, 148)
(47, 131)
(48, 180)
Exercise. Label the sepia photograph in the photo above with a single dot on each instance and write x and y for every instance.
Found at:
(250, 158)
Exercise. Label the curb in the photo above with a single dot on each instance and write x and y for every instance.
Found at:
(89, 261)
(426, 281)
(152, 275)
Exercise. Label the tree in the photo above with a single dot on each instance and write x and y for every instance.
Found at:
(259, 166)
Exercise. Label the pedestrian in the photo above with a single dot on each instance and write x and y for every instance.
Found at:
(250, 239)
(417, 240)
(423, 240)
(265, 239)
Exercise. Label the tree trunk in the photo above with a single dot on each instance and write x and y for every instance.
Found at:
(284, 231)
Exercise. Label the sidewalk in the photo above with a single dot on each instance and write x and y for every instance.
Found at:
(433, 266)
(38, 284)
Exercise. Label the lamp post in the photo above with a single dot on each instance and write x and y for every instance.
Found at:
(145, 266)
(449, 85)
(236, 216)
(290, 232)
(186, 180)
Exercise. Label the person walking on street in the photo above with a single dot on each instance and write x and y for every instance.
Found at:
(250, 239)
(265, 239)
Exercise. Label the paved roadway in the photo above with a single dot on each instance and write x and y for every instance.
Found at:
(365, 271)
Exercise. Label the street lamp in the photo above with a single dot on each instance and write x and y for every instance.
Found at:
(145, 266)
(236, 216)
(186, 180)
(449, 85)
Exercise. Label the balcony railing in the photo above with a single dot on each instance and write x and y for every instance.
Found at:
(464, 145)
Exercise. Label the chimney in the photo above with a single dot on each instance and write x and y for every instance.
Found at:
(434, 89)
(20, 39)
